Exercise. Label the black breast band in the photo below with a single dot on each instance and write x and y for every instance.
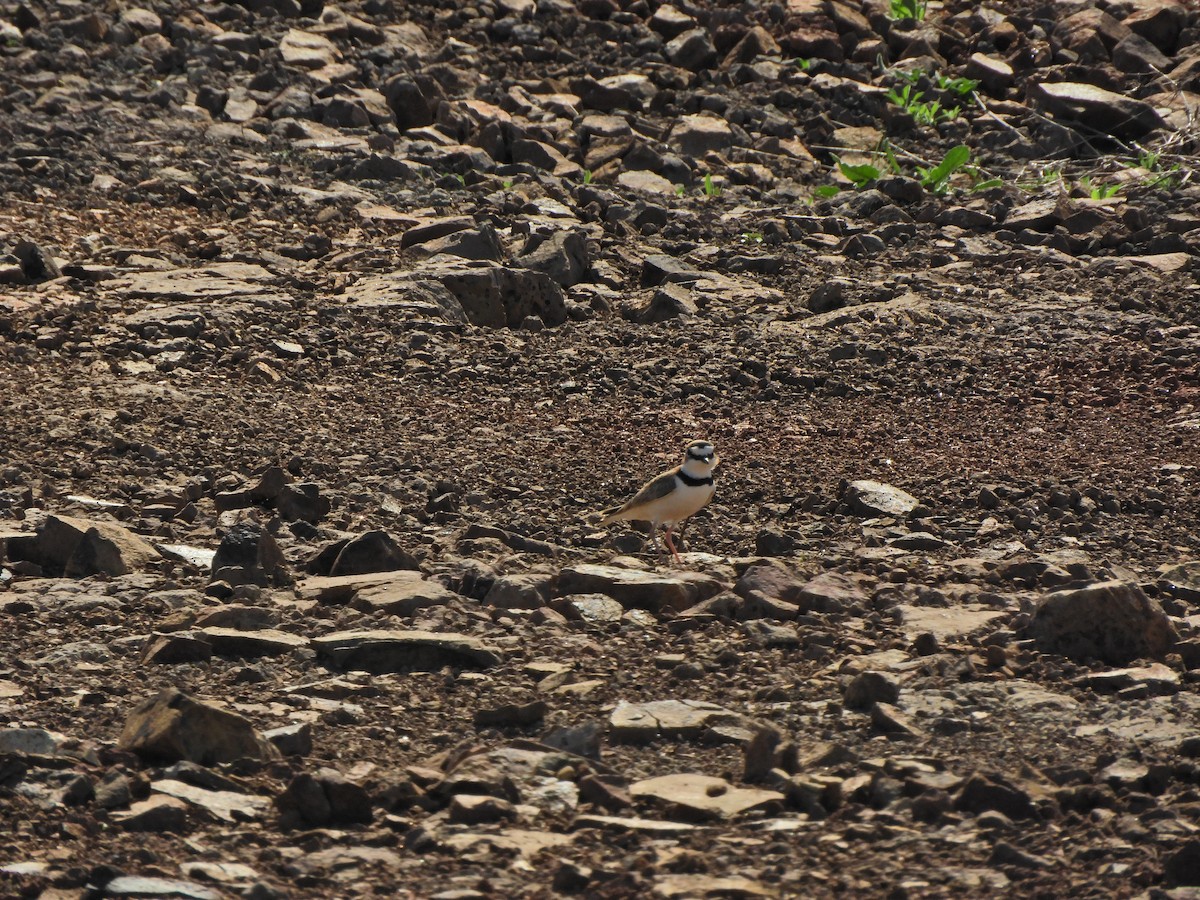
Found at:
(693, 482)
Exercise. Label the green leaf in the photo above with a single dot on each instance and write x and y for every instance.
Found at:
(987, 185)
(954, 160)
(828, 190)
(860, 175)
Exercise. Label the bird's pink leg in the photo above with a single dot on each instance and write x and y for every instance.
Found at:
(671, 544)
(654, 541)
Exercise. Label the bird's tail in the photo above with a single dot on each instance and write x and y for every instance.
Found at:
(608, 516)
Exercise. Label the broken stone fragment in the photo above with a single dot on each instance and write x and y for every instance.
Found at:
(497, 296)
(874, 498)
(248, 554)
(172, 726)
(37, 264)
(563, 255)
(173, 649)
(321, 800)
(868, 688)
(161, 815)
(226, 805)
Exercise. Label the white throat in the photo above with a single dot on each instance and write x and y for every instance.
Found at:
(695, 468)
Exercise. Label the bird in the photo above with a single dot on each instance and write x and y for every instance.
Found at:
(672, 496)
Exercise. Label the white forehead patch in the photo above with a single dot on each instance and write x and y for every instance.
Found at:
(700, 448)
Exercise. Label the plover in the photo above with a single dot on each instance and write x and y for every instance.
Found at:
(672, 496)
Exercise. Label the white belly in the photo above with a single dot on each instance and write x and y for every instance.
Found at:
(682, 502)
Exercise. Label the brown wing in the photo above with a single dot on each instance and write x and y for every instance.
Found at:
(651, 491)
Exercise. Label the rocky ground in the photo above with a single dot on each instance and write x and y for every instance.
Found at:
(325, 330)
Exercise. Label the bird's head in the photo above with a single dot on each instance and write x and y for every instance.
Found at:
(701, 453)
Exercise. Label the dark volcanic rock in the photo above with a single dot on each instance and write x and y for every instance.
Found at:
(249, 555)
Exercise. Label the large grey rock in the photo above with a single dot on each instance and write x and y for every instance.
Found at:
(696, 135)
(692, 50)
(563, 256)
(407, 295)
(1112, 621)
(1097, 108)
(670, 22)
(497, 296)
(874, 498)
(321, 800)
(400, 593)
(81, 547)
(146, 886)
(173, 726)
(373, 551)
(404, 651)
(307, 50)
(482, 243)
(228, 806)
(34, 741)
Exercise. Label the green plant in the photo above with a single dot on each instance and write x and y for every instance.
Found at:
(1098, 191)
(924, 112)
(507, 183)
(981, 182)
(862, 174)
(1041, 179)
(752, 237)
(711, 188)
(587, 176)
(1158, 176)
(803, 63)
(962, 86)
(909, 9)
(679, 190)
(936, 180)
(462, 179)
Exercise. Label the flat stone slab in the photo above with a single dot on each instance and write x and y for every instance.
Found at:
(402, 592)
(947, 623)
(681, 719)
(699, 885)
(404, 651)
(235, 644)
(633, 823)
(216, 281)
(637, 588)
(521, 842)
(703, 796)
(228, 806)
(160, 888)
(34, 741)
